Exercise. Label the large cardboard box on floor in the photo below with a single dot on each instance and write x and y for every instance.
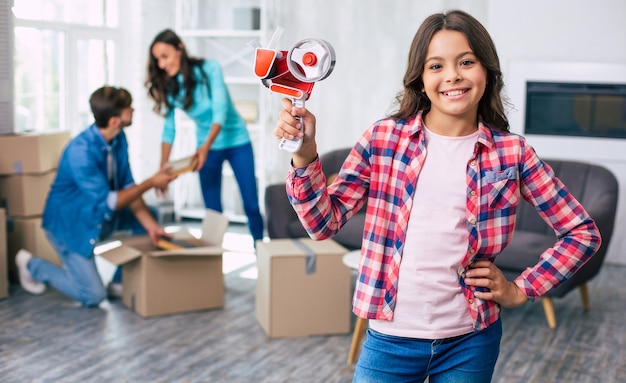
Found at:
(158, 282)
(4, 274)
(31, 152)
(303, 288)
(24, 195)
(27, 233)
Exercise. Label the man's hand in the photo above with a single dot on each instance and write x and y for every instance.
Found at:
(486, 274)
(162, 178)
(155, 233)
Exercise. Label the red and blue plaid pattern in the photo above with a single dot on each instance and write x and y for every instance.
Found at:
(383, 168)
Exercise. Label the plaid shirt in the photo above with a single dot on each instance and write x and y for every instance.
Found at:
(383, 168)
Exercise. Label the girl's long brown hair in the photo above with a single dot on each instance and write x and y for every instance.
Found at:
(412, 99)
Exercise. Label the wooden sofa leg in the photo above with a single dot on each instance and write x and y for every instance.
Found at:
(548, 309)
(359, 330)
(584, 294)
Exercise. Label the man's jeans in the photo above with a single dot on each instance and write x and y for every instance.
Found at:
(79, 278)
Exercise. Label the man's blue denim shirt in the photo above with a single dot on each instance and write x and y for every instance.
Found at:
(77, 207)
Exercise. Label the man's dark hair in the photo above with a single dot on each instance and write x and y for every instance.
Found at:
(107, 102)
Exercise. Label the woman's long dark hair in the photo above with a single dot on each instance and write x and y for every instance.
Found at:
(159, 83)
(412, 99)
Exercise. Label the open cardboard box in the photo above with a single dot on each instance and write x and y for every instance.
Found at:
(159, 282)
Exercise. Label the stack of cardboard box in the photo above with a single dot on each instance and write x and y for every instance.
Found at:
(28, 163)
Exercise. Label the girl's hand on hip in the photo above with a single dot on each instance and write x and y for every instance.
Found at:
(486, 274)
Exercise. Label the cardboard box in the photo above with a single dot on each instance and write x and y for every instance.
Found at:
(27, 233)
(302, 288)
(31, 152)
(24, 195)
(4, 274)
(158, 282)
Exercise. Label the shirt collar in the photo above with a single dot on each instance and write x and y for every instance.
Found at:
(485, 135)
(95, 131)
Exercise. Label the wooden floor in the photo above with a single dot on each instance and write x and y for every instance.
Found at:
(49, 338)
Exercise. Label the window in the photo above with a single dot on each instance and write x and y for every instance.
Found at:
(64, 50)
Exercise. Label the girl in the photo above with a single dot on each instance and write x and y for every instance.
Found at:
(196, 86)
(442, 177)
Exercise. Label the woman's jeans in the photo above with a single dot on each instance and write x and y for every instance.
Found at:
(241, 160)
(79, 278)
(469, 358)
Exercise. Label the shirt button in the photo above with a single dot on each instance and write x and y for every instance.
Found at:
(473, 163)
(472, 221)
(92, 241)
(470, 301)
(471, 251)
(473, 193)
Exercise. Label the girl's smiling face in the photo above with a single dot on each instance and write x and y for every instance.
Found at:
(454, 79)
(167, 57)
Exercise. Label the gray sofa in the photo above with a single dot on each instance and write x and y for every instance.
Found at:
(282, 221)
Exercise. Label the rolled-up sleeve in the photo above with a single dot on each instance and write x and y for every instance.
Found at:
(219, 92)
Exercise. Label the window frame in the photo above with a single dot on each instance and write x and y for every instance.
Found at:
(73, 33)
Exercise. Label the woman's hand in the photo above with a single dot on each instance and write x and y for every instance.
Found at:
(200, 155)
(486, 274)
(290, 128)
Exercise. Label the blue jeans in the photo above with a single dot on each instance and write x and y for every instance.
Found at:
(241, 160)
(79, 278)
(469, 358)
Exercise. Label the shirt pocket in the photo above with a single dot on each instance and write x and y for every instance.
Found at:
(502, 188)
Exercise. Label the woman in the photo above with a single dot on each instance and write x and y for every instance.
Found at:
(196, 86)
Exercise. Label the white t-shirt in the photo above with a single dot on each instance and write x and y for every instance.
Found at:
(429, 301)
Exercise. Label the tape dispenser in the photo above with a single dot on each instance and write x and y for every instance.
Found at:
(293, 73)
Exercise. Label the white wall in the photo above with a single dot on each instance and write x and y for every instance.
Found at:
(371, 39)
(586, 32)
(142, 20)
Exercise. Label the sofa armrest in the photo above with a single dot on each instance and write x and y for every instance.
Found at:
(278, 211)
